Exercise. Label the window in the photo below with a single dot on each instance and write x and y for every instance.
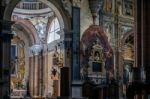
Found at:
(53, 31)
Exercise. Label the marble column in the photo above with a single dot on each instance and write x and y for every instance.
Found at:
(5, 45)
(45, 71)
(35, 69)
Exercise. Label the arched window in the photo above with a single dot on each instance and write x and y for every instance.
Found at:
(53, 31)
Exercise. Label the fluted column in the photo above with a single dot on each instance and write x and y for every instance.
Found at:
(35, 69)
(5, 45)
(45, 71)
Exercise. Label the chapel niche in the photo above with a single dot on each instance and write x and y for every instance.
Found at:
(18, 84)
(96, 54)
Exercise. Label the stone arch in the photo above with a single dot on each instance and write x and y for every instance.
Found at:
(64, 20)
(126, 35)
(60, 13)
(29, 29)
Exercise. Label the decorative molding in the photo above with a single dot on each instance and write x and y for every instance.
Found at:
(36, 49)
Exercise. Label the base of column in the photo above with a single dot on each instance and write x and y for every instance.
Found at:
(71, 98)
(38, 97)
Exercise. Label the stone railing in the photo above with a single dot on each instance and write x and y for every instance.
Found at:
(31, 5)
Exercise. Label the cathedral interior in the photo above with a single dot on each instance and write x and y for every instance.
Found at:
(74, 49)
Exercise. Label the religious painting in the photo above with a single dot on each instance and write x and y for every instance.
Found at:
(97, 57)
(17, 64)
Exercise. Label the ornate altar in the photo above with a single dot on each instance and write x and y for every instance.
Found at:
(18, 87)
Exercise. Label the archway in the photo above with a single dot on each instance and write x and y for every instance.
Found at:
(62, 17)
(127, 59)
(64, 25)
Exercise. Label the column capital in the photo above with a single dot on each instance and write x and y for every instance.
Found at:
(36, 49)
(77, 3)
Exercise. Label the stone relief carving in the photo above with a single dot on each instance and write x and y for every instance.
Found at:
(36, 49)
(67, 6)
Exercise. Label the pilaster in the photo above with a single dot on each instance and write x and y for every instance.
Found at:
(5, 46)
(35, 71)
